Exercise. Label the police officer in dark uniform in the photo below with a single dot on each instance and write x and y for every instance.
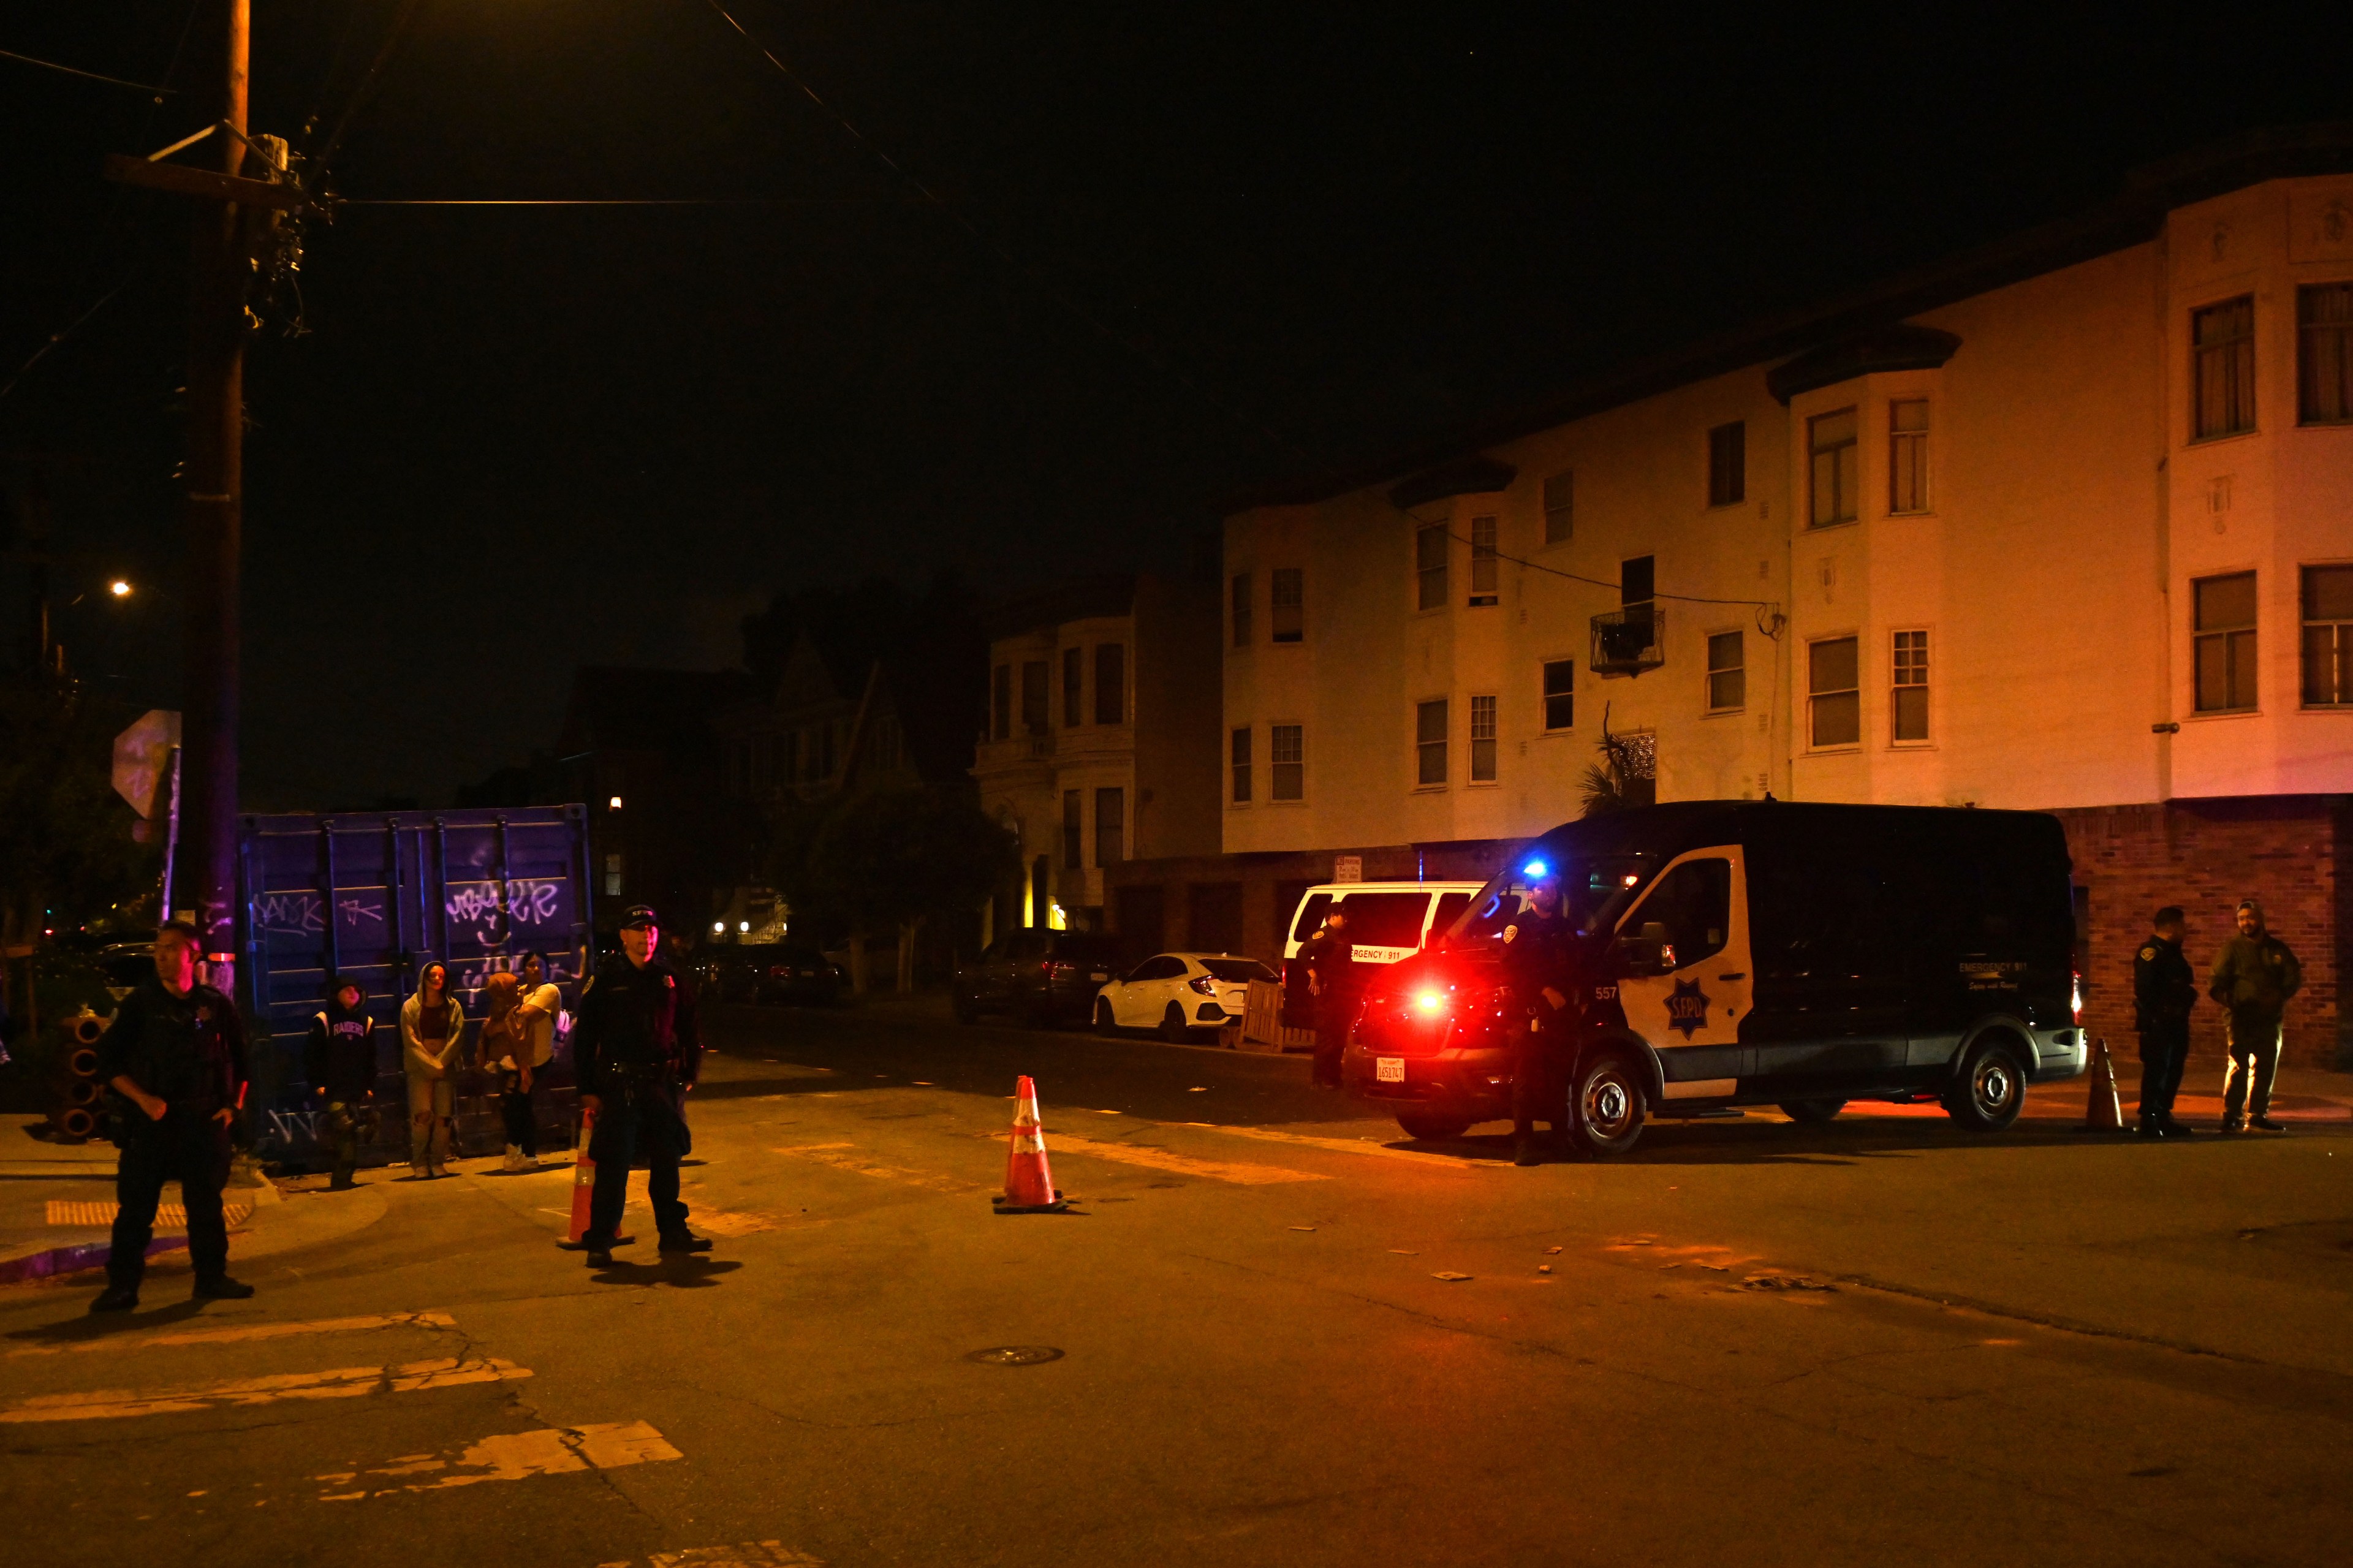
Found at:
(638, 1051)
(175, 1057)
(1330, 960)
(2165, 989)
(1535, 966)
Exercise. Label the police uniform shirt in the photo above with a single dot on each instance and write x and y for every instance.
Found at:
(182, 1050)
(636, 1018)
(1535, 948)
(2164, 988)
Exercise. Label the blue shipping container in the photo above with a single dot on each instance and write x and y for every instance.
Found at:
(373, 897)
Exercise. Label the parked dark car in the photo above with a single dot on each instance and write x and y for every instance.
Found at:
(1045, 979)
(769, 972)
(1732, 954)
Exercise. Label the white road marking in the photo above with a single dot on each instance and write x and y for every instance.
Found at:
(513, 1456)
(236, 1334)
(841, 1157)
(1237, 1172)
(749, 1555)
(1336, 1145)
(340, 1383)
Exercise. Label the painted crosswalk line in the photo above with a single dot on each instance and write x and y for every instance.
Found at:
(88, 1213)
(240, 1333)
(1239, 1172)
(339, 1383)
(749, 1555)
(508, 1456)
(845, 1157)
(1336, 1145)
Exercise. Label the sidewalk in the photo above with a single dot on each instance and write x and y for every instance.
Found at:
(56, 1205)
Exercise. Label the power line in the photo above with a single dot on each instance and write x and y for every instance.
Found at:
(1763, 606)
(90, 76)
(598, 201)
(56, 338)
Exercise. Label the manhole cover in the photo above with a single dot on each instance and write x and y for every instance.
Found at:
(1015, 1355)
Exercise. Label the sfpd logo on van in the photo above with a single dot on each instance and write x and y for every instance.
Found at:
(1687, 1008)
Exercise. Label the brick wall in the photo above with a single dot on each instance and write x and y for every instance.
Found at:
(2295, 853)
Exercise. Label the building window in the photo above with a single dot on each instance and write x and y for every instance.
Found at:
(1033, 705)
(1110, 683)
(1290, 603)
(1110, 825)
(1907, 454)
(2222, 368)
(2324, 354)
(1289, 754)
(1560, 694)
(1910, 696)
(1483, 740)
(1074, 672)
(2224, 642)
(1429, 742)
(1834, 691)
(1429, 567)
(2328, 636)
(1485, 565)
(612, 875)
(1728, 671)
(1560, 507)
(1073, 831)
(1241, 763)
(1000, 688)
(1728, 464)
(1831, 445)
(1241, 611)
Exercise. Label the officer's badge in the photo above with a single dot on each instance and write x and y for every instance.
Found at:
(2147, 954)
(1510, 932)
(1687, 1008)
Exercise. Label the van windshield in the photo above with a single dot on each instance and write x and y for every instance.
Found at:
(1596, 889)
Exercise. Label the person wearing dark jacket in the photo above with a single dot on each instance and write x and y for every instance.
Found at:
(1332, 976)
(2165, 989)
(2255, 974)
(1535, 964)
(175, 1053)
(638, 1051)
(339, 1058)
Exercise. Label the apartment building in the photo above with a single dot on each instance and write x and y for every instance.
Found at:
(2064, 525)
(1101, 741)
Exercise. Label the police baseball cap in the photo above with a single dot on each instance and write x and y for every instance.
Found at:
(637, 917)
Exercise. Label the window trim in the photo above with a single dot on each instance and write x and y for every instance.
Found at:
(2304, 622)
(1834, 748)
(1118, 650)
(1421, 706)
(1074, 677)
(1274, 763)
(1813, 451)
(1896, 440)
(1426, 602)
(2254, 418)
(1492, 559)
(1494, 740)
(2304, 332)
(1545, 696)
(1241, 743)
(1275, 636)
(1120, 828)
(1709, 673)
(1896, 669)
(2252, 628)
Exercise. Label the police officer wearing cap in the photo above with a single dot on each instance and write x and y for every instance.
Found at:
(638, 1051)
(2165, 989)
(1535, 964)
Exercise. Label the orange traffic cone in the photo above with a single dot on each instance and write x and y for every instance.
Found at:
(1028, 1180)
(584, 1180)
(2105, 1112)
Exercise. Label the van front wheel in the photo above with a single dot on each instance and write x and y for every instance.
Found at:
(1992, 1089)
(1604, 1106)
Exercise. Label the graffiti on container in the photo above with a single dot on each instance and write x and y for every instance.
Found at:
(529, 902)
(290, 914)
(296, 1126)
(358, 910)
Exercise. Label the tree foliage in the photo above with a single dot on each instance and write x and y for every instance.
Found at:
(883, 860)
(65, 834)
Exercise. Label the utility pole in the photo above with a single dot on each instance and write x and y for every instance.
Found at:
(219, 266)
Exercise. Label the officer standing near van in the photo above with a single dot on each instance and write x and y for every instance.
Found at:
(2164, 991)
(1535, 964)
(638, 1051)
(1330, 960)
(2255, 974)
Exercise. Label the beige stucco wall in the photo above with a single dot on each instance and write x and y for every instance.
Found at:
(2068, 513)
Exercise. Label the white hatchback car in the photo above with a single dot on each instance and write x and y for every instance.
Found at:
(1178, 992)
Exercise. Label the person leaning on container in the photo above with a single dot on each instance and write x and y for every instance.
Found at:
(2255, 974)
(638, 1050)
(175, 1054)
(339, 1059)
(432, 1034)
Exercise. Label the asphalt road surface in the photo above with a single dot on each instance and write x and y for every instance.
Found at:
(1271, 1333)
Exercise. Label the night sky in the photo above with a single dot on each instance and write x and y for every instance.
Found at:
(1175, 250)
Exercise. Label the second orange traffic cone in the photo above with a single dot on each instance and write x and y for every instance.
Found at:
(1028, 1180)
(584, 1179)
(2104, 1112)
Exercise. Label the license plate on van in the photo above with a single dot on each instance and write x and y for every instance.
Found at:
(1388, 1069)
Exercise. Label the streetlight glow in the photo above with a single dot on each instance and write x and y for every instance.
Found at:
(614, 804)
(119, 588)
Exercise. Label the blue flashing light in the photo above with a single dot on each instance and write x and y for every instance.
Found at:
(1536, 868)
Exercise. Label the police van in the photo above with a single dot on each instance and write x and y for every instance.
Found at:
(1387, 923)
(1734, 952)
